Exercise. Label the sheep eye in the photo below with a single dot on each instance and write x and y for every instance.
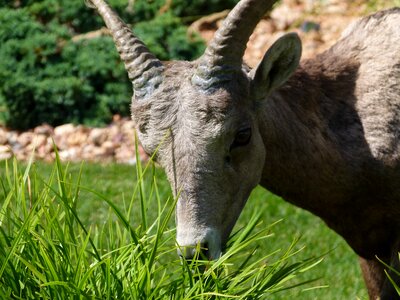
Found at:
(242, 138)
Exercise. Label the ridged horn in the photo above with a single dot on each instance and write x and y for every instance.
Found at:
(224, 54)
(144, 69)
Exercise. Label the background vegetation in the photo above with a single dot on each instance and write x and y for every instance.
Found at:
(49, 75)
(53, 71)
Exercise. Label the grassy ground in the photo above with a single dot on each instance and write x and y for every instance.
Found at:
(339, 270)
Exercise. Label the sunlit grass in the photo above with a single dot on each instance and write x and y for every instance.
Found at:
(49, 250)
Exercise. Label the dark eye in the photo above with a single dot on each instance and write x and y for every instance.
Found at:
(242, 138)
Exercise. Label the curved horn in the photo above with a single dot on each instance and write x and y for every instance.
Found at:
(224, 55)
(144, 69)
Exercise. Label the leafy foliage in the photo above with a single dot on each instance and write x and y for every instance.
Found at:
(46, 76)
(166, 37)
(145, 10)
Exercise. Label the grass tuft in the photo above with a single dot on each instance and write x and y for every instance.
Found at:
(48, 251)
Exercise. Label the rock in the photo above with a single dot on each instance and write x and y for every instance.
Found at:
(87, 152)
(12, 141)
(40, 140)
(61, 134)
(25, 138)
(78, 137)
(125, 154)
(99, 153)
(336, 7)
(113, 131)
(4, 156)
(3, 136)
(5, 152)
(44, 151)
(71, 154)
(128, 127)
(285, 15)
(109, 147)
(119, 139)
(128, 131)
(98, 136)
(36, 142)
(64, 130)
(44, 129)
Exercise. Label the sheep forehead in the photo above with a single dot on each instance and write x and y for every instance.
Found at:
(191, 115)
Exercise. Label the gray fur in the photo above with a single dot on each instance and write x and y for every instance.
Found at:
(326, 138)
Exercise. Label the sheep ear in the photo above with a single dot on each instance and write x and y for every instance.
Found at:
(278, 63)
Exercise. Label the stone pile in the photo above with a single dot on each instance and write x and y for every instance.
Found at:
(114, 143)
(318, 23)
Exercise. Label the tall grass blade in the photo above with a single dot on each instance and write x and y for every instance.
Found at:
(139, 176)
(47, 251)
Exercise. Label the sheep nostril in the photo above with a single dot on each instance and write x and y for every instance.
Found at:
(187, 252)
(199, 252)
(204, 252)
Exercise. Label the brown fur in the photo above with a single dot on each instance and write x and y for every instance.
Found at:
(328, 139)
(332, 137)
(325, 135)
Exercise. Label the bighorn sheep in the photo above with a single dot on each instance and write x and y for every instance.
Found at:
(324, 134)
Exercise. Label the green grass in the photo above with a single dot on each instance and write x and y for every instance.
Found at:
(51, 249)
(79, 230)
(339, 270)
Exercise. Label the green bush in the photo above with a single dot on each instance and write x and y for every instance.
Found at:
(145, 10)
(166, 37)
(46, 77)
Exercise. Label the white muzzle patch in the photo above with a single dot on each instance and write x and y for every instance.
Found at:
(190, 240)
